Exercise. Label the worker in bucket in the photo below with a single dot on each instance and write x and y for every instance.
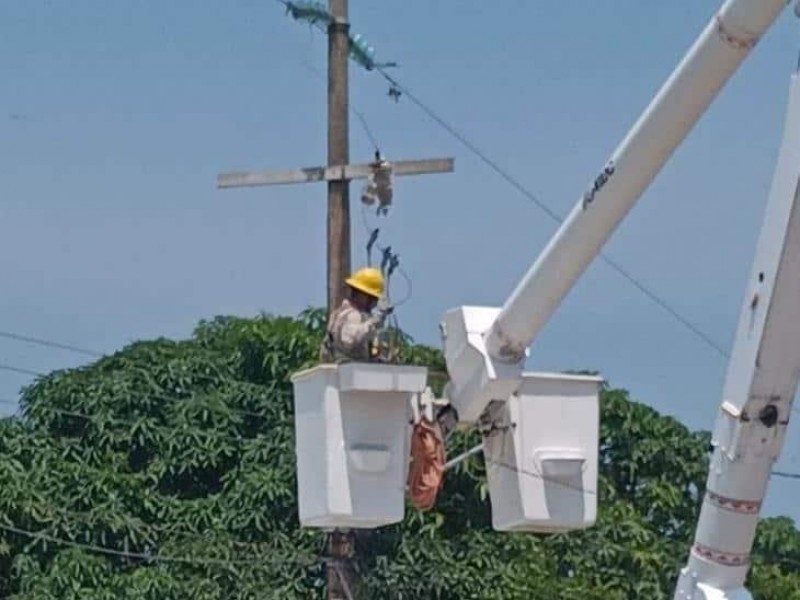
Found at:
(353, 326)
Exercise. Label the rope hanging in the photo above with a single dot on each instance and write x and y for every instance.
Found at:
(426, 472)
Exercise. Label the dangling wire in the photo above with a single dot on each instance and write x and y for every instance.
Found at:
(428, 456)
(389, 264)
(359, 115)
(367, 130)
(373, 237)
(373, 243)
(386, 260)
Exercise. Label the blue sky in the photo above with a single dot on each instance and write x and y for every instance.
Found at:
(116, 117)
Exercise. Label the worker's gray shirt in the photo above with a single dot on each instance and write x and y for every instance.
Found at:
(349, 335)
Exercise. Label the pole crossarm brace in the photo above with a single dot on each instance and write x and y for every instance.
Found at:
(235, 179)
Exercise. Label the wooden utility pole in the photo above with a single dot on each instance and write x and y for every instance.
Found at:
(337, 174)
(338, 152)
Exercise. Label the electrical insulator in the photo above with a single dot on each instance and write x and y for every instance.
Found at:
(311, 12)
(362, 52)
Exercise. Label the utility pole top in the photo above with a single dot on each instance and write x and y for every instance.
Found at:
(338, 172)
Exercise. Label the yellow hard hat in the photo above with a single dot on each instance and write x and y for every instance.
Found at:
(368, 280)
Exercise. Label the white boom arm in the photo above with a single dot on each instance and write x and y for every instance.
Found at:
(759, 389)
(485, 348)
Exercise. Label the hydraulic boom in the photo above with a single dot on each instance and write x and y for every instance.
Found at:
(759, 389)
(485, 349)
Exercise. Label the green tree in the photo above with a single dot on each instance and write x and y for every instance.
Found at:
(177, 458)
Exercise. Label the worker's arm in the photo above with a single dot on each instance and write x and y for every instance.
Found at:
(354, 330)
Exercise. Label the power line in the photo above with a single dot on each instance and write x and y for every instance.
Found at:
(243, 412)
(157, 396)
(550, 212)
(20, 370)
(466, 455)
(403, 273)
(361, 118)
(473, 451)
(48, 343)
(472, 147)
(38, 535)
(228, 562)
(664, 305)
(209, 561)
(247, 413)
(477, 450)
(221, 436)
(156, 528)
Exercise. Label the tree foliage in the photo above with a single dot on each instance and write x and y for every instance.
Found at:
(167, 471)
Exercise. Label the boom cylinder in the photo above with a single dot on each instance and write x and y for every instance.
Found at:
(684, 97)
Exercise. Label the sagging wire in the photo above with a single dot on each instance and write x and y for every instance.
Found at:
(57, 512)
(20, 370)
(448, 466)
(315, 13)
(146, 556)
(359, 114)
(48, 343)
(238, 439)
(159, 396)
(366, 127)
(481, 448)
(396, 90)
(389, 264)
(372, 236)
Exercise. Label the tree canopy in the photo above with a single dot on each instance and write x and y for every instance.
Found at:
(167, 471)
